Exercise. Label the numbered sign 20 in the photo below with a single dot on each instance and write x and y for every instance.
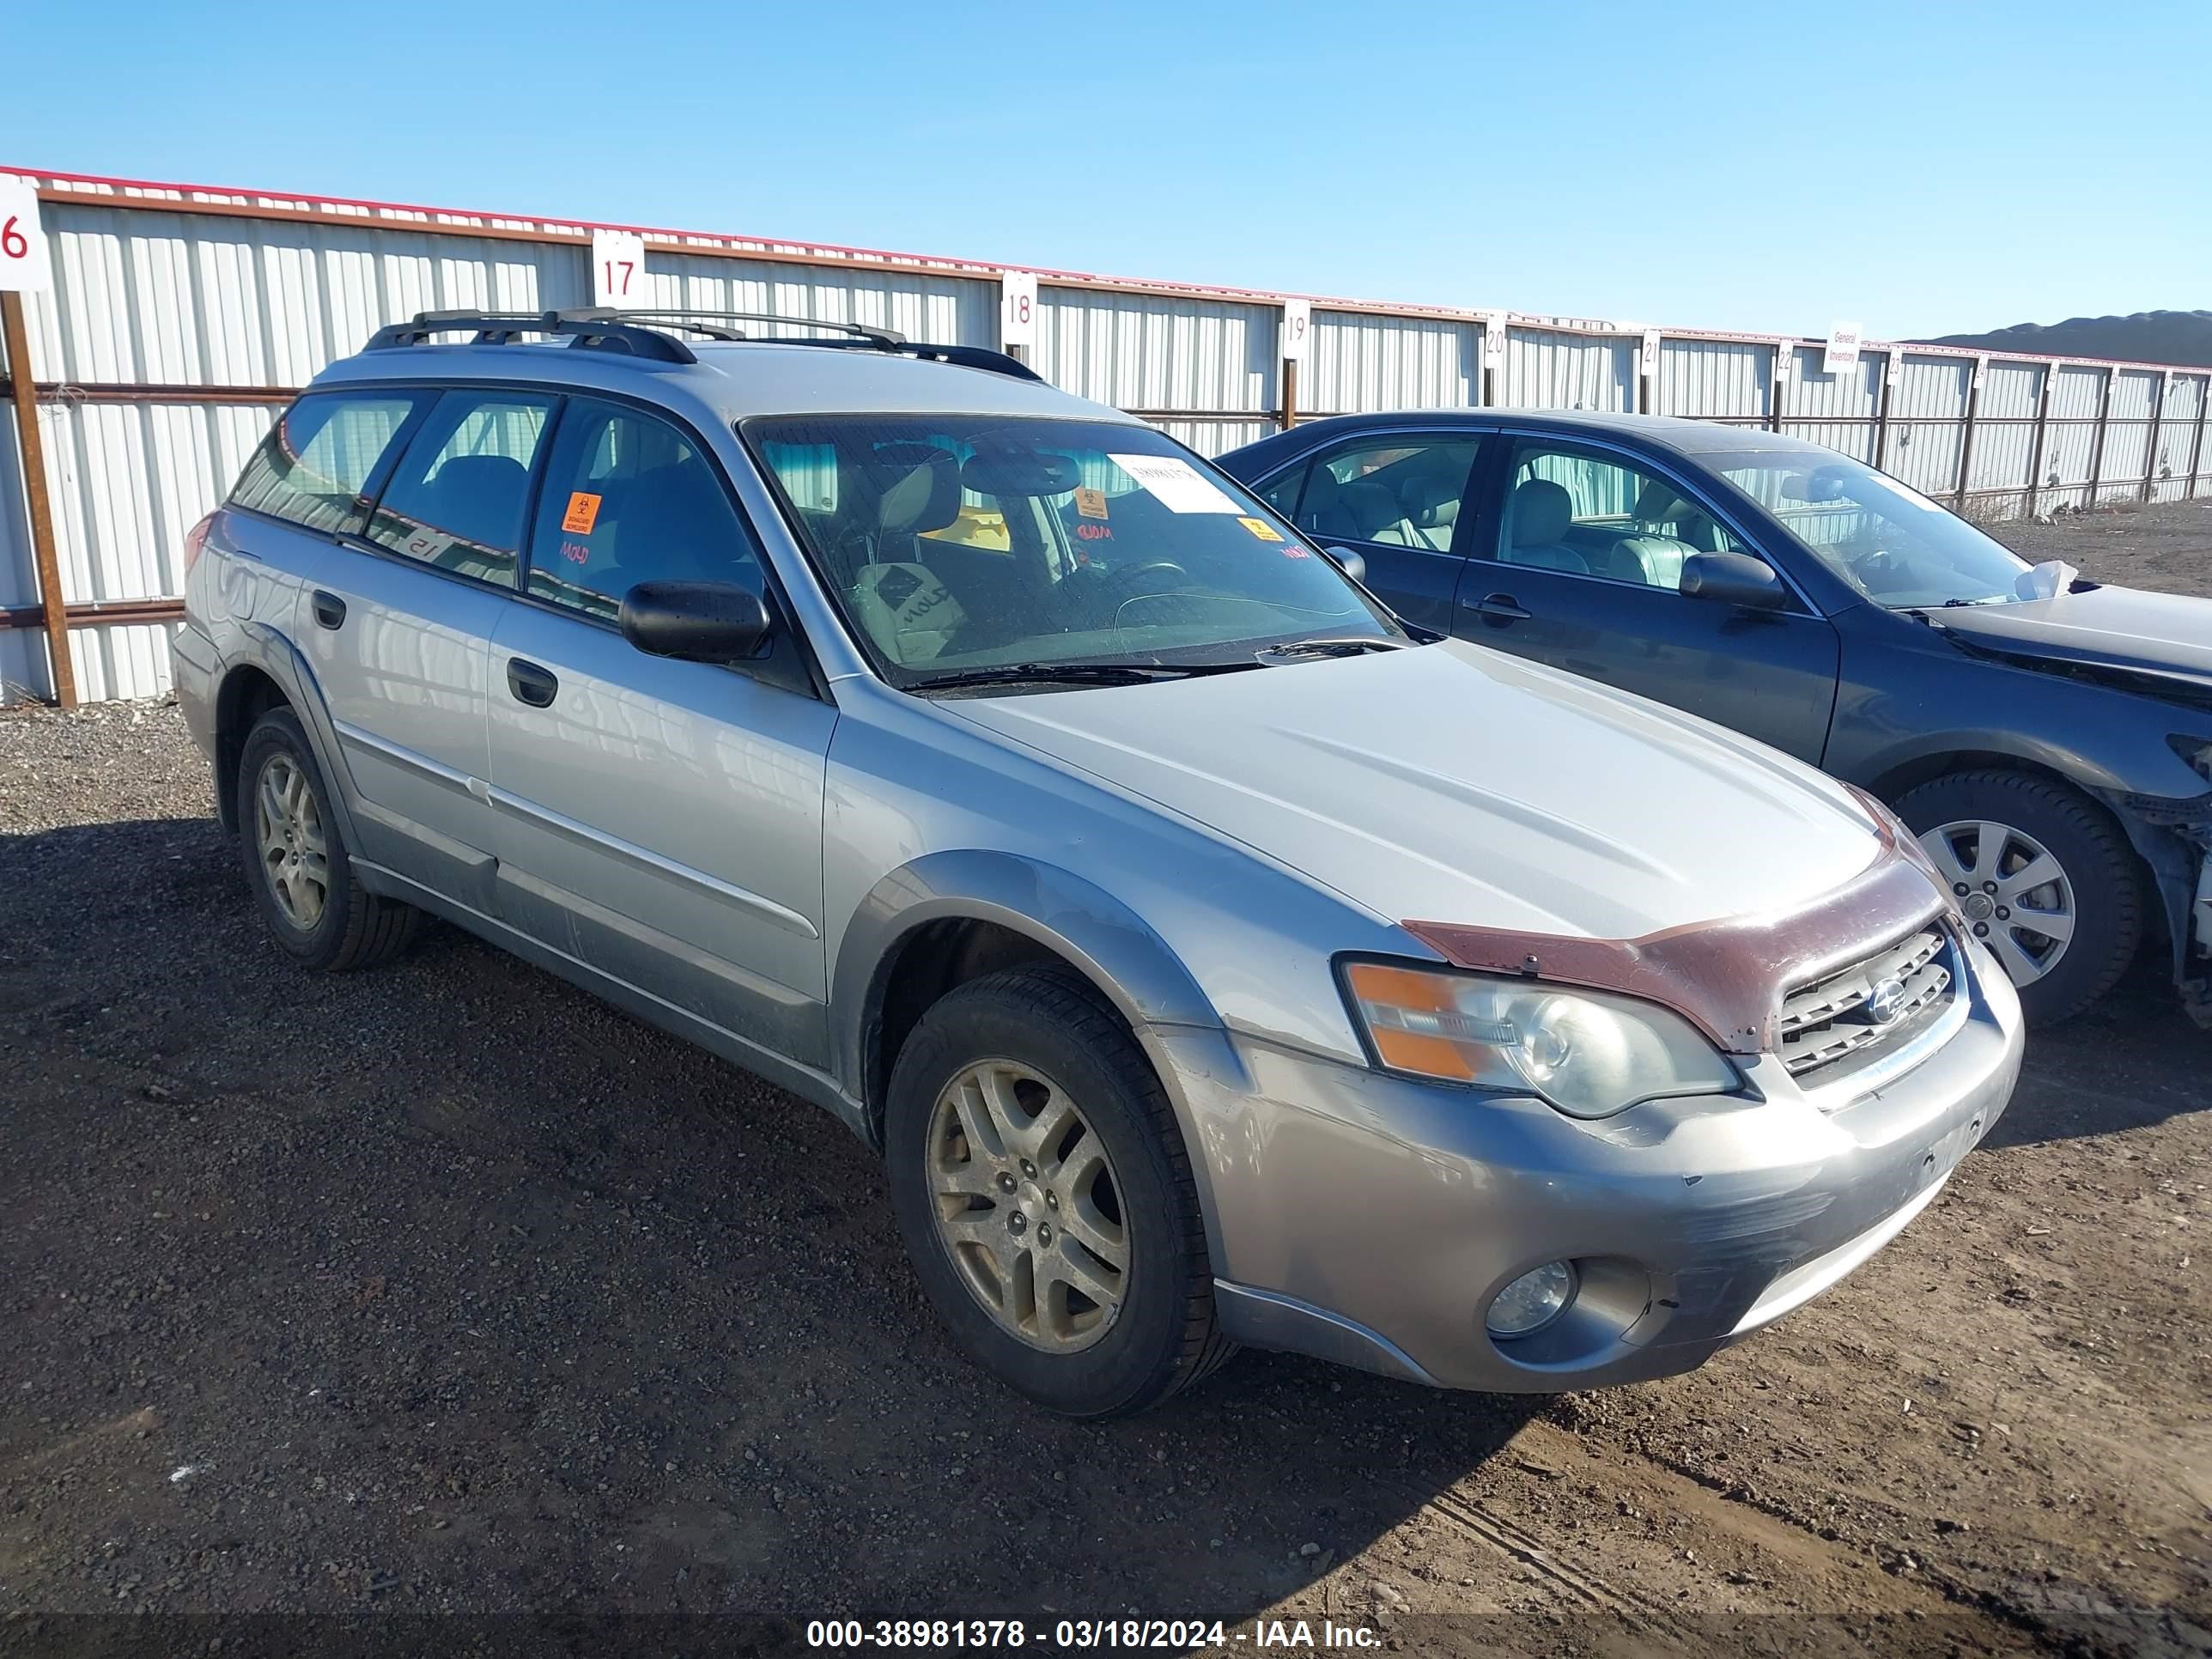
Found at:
(24, 266)
(617, 269)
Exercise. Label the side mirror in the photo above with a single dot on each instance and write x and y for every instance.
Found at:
(1733, 579)
(702, 622)
(1348, 562)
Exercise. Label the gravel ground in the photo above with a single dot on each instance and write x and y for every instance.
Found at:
(447, 1291)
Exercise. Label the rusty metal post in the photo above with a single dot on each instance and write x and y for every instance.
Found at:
(2150, 443)
(2196, 445)
(2042, 428)
(2097, 443)
(1881, 409)
(1966, 437)
(1290, 393)
(44, 562)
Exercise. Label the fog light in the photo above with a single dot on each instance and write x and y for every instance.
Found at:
(1532, 1301)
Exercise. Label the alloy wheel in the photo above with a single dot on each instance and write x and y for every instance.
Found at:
(2015, 895)
(1027, 1206)
(287, 826)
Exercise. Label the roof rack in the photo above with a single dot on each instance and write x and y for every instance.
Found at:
(595, 330)
(647, 333)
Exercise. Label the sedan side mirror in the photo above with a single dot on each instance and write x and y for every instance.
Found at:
(1348, 562)
(702, 622)
(1733, 579)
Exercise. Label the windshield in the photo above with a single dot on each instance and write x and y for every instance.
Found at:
(968, 543)
(1890, 542)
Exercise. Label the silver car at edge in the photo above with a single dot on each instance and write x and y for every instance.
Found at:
(1214, 959)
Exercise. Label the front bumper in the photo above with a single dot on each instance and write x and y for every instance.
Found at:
(1370, 1218)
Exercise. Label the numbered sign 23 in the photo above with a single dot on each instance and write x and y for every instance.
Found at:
(24, 266)
(618, 268)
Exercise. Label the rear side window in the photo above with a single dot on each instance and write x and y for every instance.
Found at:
(630, 499)
(1399, 490)
(461, 493)
(319, 462)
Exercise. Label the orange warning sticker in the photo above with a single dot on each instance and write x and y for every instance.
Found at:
(1261, 528)
(1091, 504)
(583, 512)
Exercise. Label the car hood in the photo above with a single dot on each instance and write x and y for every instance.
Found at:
(1451, 783)
(2164, 635)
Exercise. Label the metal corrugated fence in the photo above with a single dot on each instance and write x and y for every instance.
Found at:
(182, 318)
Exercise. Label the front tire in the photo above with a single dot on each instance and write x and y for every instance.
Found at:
(296, 859)
(1045, 1197)
(2045, 878)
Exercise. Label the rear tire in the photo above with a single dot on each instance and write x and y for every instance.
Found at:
(1992, 833)
(297, 862)
(1045, 1197)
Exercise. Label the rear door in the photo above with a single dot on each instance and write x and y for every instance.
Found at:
(658, 821)
(396, 622)
(1394, 498)
(1577, 561)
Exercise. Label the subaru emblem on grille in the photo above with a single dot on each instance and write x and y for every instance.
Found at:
(1886, 1001)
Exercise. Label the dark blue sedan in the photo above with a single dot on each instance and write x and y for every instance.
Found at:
(2048, 738)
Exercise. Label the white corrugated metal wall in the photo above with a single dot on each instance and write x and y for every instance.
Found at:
(164, 299)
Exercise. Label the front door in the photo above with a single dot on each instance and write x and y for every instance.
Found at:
(1578, 565)
(656, 820)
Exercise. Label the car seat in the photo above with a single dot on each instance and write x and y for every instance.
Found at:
(1537, 517)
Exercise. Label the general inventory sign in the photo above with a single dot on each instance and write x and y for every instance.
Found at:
(1841, 355)
(25, 266)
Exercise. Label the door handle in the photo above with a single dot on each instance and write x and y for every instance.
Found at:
(530, 684)
(1500, 608)
(330, 609)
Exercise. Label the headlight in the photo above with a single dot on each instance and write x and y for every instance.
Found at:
(1589, 1054)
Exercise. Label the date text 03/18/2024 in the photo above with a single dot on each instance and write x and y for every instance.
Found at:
(1172, 1635)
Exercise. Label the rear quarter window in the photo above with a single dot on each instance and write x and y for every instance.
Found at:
(316, 464)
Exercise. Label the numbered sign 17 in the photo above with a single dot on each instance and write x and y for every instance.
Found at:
(617, 269)
(24, 266)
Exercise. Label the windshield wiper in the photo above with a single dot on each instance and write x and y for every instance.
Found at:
(1076, 673)
(1331, 647)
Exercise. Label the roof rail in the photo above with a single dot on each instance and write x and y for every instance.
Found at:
(648, 334)
(854, 336)
(596, 329)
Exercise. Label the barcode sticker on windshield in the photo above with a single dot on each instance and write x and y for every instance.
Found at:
(1175, 483)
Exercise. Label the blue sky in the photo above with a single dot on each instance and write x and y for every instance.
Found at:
(1921, 168)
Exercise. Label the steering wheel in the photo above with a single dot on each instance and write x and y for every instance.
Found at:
(1150, 567)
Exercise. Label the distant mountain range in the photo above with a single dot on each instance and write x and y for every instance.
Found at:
(2147, 337)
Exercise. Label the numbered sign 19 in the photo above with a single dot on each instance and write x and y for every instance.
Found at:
(1298, 324)
(1018, 307)
(617, 269)
(24, 266)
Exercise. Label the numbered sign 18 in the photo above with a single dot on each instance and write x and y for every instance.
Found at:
(618, 268)
(1018, 307)
(1298, 324)
(24, 266)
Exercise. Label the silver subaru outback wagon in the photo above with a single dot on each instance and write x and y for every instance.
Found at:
(1213, 958)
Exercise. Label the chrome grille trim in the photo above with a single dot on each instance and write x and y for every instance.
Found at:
(1833, 1020)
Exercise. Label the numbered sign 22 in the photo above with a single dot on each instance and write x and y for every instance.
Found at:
(1298, 324)
(1018, 307)
(24, 266)
(617, 269)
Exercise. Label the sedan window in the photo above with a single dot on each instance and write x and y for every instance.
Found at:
(1591, 514)
(1399, 490)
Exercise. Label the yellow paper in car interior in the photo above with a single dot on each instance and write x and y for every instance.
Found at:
(976, 527)
(1091, 504)
(1261, 528)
